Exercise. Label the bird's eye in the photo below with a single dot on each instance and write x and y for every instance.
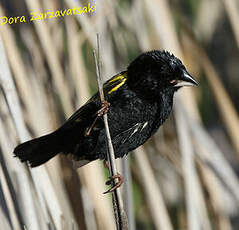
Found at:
(173, 82)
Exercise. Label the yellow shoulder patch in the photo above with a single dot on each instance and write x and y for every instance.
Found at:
(116, 82)
(117, 77)
(117, 86)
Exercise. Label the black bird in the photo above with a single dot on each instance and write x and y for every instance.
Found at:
(140, 99)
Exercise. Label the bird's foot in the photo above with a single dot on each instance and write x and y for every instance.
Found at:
(116, 185)
(104, 108)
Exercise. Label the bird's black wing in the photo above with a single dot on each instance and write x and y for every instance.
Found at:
(89, 110)
(80, 122)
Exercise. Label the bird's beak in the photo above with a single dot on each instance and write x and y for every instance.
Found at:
(186, 80)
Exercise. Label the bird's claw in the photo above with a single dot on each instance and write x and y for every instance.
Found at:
(104, 108)
(111, 181)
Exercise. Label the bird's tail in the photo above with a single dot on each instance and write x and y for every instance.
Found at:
(39, 150)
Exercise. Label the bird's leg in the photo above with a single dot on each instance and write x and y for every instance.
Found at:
(88, 131)
(111, 181)
(104, 109)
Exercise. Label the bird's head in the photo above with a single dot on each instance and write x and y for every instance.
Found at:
(154, 72)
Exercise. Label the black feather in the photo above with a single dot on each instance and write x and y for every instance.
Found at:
(39, 150)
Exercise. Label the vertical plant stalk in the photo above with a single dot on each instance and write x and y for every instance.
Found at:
(128, 193)
(120, 216)
(30, 212)
(6, 81)
(222, 98)
(232, 11)
(189, 170)
(153, 194)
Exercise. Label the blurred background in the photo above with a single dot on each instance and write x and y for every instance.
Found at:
(185, 177)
